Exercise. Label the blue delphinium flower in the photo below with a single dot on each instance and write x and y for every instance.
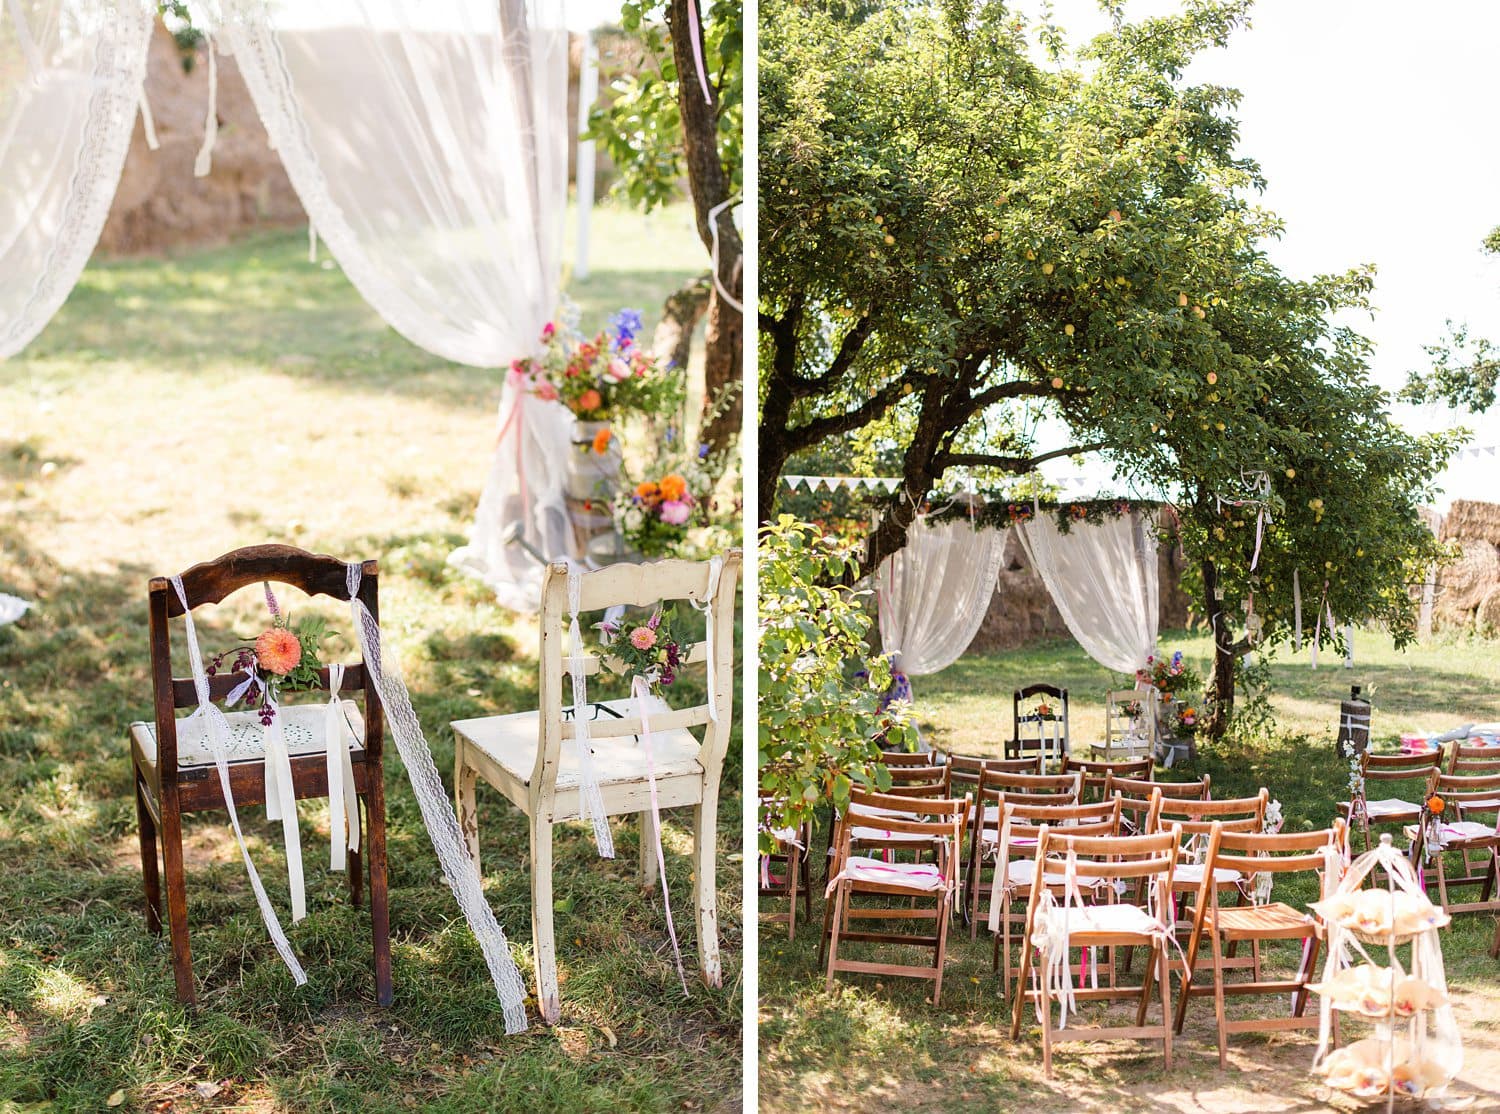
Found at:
(703, 452)
(626, 326)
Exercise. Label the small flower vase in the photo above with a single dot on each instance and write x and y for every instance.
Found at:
(593, 474)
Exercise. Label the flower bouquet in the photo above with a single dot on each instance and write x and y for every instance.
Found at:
(599, 378)
(283, 658)
(1174, 679)
(653, 649)
(674, 512)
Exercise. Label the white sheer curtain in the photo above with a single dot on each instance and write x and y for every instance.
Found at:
(70, 82)
(1103, 578)
(428, 143)
(934, 592)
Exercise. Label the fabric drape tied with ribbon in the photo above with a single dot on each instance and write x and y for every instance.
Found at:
(343, 800)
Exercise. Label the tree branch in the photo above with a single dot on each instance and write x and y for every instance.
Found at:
(1013, 463)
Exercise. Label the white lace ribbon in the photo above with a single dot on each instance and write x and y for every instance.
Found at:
(281, 802)
(715, 566)
(218, 739)
(640, 691)
(590, 800)
(437, 809)
(343, 800)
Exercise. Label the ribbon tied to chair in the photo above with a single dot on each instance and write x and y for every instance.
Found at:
(343, 800)
(590, 800)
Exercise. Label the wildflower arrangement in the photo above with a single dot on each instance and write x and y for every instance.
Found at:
(283, 658)
(1175, 680)
(673, 512)
(1432, 822)
(600, 377)
(652, 649)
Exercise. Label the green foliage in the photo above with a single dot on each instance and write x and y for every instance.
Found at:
(821, 724)
(1464, 372)
(640, 127)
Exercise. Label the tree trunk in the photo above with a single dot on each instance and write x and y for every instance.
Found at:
(1221, 684)
(683, 309)
(710, 187)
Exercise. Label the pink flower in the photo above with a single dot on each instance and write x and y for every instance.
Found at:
(618, 370)
(643, 638)
(548, 330)
(675, 512)
(546, 391)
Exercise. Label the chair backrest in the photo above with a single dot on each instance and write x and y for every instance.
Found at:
(941, 819)
(1399, 767)
(1474, 759)
(1095, 773)
(1467, 794)
(919, 781)
(965, 768)
(1002, 781)
(1150, 857)
(1253, 853)
(631, 585)
(1127, 709)
(1030, 726)
(211, 582)
(1172, 790)
(1234, 814)
(906, 758)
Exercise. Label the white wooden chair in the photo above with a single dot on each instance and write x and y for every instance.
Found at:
(522, 755)
(1127, 734)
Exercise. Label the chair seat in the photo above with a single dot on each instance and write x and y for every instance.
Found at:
(505, 748)
(1020, 872)
(1275, 921)
(1459, 832)
(1391, 808)
(1192, 874)
(883, 835)
(916, 877)
(1112, 920)
(302, 724)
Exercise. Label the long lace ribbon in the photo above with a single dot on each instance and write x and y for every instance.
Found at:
(218, 738)
(281, 802)
(640, 691)
(437, 810)
(590, 800)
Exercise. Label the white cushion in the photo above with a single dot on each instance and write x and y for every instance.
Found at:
(302, 724)
(918, 877)
(1020, 872)
(1113, 918)
(884, 835)
(1390, 806)
(1467, 829)
(1193, 872)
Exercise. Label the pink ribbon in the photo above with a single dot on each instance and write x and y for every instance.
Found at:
(695, 33)
(640, 690)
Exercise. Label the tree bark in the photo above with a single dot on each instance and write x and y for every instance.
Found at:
(1221, 685)
(683, 309)
(710, 186)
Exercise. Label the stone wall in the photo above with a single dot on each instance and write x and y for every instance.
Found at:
(1468, 590)
(1022, 612)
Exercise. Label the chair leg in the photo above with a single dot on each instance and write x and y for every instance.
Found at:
(1044, 999)
(380, 910)
(1220, 1017)
(646, 874)
(1304, 974)
(793, 861)
(465, 778)
(840, 897)
(543, 945)
(1018, 1001)
(1166, 1005)
(944, 915)
(150, 879)
(705, 891)
(172, 865)
(352, 868)
(1146, 988)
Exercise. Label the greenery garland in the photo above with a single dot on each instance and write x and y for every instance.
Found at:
(1000, 513)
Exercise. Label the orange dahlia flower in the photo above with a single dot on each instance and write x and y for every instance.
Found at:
(673, 486)
(278, 651)
(590, 400)
(647, 490)
(1435, 805)
(602, 440)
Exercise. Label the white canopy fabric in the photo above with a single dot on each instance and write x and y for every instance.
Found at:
(933, 593)
(70, 83)
(1103, 578)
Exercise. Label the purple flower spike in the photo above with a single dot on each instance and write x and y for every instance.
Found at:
(271, 601)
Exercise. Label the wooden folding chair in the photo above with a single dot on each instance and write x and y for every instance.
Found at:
(1033, 730)
(1136, 796)
(1477, 841)
(894, 758)
(174, 768)
(1014, 853)
(1038, 789)
(790, 855)
(1251, 854)
(1150, 858)
(1096, 773)
(933, 822)
(1383, 770)
(1474, 759)
(966, 768)
(1130, 717)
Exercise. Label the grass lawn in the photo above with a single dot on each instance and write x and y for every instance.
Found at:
(177, 408)
(875, 1045)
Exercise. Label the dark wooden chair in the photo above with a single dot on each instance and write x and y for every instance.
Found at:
(1031, 731)
(173, 779)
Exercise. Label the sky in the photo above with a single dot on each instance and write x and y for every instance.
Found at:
(1373, 123)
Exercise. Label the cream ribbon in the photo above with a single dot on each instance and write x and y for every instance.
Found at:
(203, 164)
(590, 800)
(640, 691)
(343, 800)
(281, 803)
(715, 567)
(218, 736)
